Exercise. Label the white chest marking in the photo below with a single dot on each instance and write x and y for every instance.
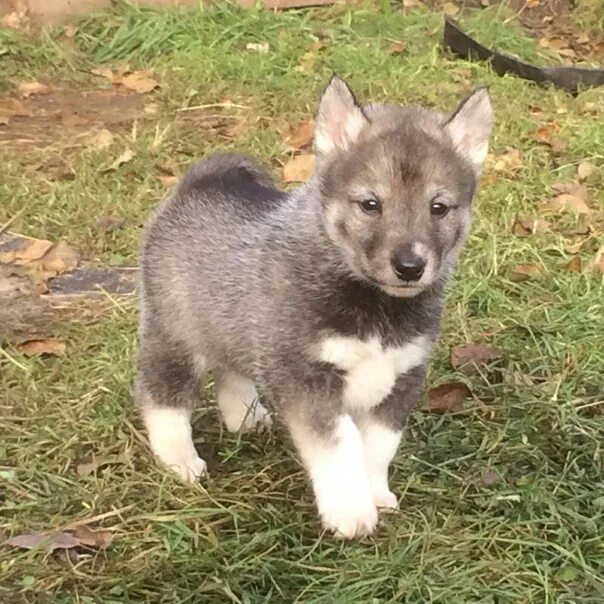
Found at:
(371, 369)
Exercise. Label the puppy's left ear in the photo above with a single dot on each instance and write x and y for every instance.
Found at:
(470, 127)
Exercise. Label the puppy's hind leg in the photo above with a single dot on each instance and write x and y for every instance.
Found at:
(166, 389)
(239, 402)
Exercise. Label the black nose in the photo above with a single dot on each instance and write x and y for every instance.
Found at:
(408, 266)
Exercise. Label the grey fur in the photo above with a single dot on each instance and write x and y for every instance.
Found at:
(238, 276)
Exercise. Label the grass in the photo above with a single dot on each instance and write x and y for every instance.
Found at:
(501, 503)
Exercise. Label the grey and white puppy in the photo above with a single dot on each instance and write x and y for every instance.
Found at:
(326, 300)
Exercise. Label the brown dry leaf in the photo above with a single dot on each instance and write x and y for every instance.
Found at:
(107, 73)
(124, 158)
(524, 226)
(412, 3)
(99, 538)
(523, 272)
(166, 175)
(299, 168)
(302, 136)
(87, 468)
(584, 170)
(468, 356)
(446, 397)
(546, 134)
(575, 247)
(36, 348)
(451, 9)
(60, 259)
(396, 48)
(110, 223)
(50, 541)
(139, 81)
(509, 163)
(69, 31)
(29, 88)
(23, 250)
(565, 202)
(574, 265)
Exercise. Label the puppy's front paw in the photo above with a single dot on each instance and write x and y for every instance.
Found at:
(189, 469)
(349, 519)
(385, 499)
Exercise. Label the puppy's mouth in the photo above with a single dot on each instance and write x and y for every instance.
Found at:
(402, 290)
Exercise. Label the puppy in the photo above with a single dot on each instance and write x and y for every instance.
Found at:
(325, 300)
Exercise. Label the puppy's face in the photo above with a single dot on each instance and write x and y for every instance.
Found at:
(397, 185)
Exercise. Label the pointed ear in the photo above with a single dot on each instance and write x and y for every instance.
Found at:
(470, 127)
(339, 119)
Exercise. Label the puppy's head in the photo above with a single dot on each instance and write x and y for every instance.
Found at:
(397, 184)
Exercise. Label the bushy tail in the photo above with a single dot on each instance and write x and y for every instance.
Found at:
(224, 168)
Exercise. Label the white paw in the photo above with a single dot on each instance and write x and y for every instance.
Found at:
(349, 519)
(246, 419)
(189, 469)
(385, 499)
(169, 430)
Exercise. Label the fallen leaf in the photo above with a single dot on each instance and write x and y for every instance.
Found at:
(87, 468)
(167, 176)
(509, 163)
(61, 258)
(261, 47)
(23, 250)
(139, 81)
(36, 348)
(110, 223)
(51, 541)
(30, 88)
(124, 158)
(565, 202)
(299, 168)
(450, 9)
(396, 48)
(574, 265)
(524, 227)
(572, 188)
(546, 135)
(468, 356)
(99, 538)
(302, 136)
(584, 170)
(523, 272)
(107, 73)
(446, 397)
(412, 3)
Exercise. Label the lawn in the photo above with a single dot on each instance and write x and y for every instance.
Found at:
(500, 502)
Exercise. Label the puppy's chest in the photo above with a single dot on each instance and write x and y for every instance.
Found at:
(370, 368)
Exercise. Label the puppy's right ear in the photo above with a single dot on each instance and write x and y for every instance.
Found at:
(340, 118)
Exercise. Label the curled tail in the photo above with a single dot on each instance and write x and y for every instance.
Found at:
(223, 169)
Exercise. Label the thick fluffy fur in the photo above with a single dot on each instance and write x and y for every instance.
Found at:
(294, 296)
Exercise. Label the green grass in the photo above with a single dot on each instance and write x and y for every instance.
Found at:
(532, 533)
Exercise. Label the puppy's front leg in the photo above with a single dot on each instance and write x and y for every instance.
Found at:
(332, 451)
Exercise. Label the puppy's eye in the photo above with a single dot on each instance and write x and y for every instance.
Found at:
(437, 208)
(370, 206)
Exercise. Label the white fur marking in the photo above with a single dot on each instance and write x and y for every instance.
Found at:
(169, 430)
(381, 444)
(371, 369)
(239, 404)
(340, 482)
